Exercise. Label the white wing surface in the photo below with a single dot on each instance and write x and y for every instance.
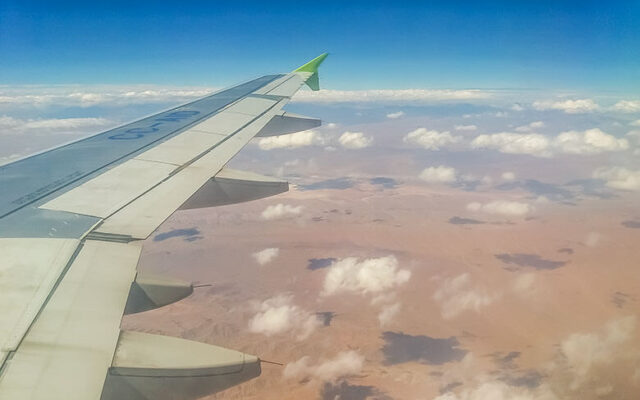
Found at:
(72, 222)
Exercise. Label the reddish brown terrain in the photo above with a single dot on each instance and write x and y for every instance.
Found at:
(540, 305)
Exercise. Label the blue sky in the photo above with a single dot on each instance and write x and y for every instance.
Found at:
(584, 45)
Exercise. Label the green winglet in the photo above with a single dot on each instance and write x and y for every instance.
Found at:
(312, 66)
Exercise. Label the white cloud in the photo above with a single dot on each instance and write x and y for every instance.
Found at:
(517, 107)
(619, 177)
(530, 127)
(279, 315)
(395, 115)
(371, 275)
(591, 141)
(439, 174)
(501, 207)
(627, 106)
(508, 176)
(266, 256)
(635, 123)
(292, 140)
(456, 295)
(95, 95)
(280, 211)
(430, 139)
(585, 351)
(389, 96)
(568, 106)
(524, 282)
(465, 127)
(388, 313)
(499, 390)
(10, 125)
(355, 140)
(514, 143)
(344, 364)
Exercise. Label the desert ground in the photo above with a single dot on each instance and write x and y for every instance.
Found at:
(445, 298)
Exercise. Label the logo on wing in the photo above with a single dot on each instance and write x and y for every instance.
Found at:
(156, 124)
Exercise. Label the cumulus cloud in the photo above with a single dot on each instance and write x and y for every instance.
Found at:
(508, 176)
(514, 143)
(279, 315)
(590, 141)
(499, 390)
(619, 177)
(430, 139)
(465, 127)
(292, 140)
(389, 96)
(524, 282)
(265, 256)
(627, 106)
(530, 127)
(355, 140)
(578, 106)
(457, 295)
(280, 211)
(395, 115)
(635, 123)
(584, 352)
(501, 207)
(439, 174)
(10, 125)
(344, 364)
(371, 275)
(388, 313)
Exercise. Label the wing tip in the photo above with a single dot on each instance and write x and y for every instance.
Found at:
(312, 66)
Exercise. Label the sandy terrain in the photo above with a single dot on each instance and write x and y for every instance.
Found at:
(491, 299)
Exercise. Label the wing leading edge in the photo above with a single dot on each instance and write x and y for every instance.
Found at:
(72, 221)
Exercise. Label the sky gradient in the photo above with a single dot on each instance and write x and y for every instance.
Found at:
(556, 45)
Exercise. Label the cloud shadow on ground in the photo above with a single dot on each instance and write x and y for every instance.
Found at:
(319, 263)
(345, 391)
(530, 379)
(401, 348)
(326, 317)
(529, 260)
(550, 191)
(620, 299)
(386, 183)
(337, 183)
(464, 221)
(631, 224)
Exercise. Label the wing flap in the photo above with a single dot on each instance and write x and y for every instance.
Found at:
(74, 337)
(29, 270)
(232, 186)
(286, 122)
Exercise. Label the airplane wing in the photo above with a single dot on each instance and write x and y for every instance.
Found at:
(72, 223)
